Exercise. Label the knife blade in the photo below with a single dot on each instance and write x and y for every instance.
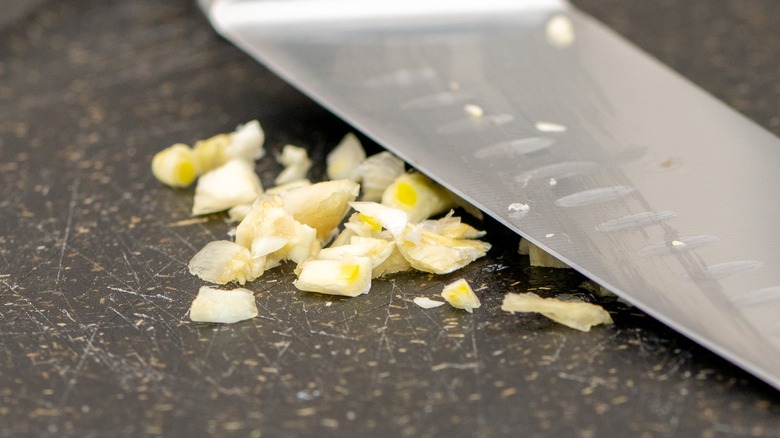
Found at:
(582, 144)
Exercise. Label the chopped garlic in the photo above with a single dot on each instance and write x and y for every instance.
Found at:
(376, 216)
(437, 254)
(221, 262)
(279, 189)
(344, 160)
(377, 250)
(321, 206)
(539, 257)
(460, 295)
(377, 172)
(394, 263)
(259, 250)
(268, 218)
(577, 315)
(246, 142)
(234, 183)
(418, 196)
(348, 276)
(451, 226)
(427, 303)
(223, 306)
(296, 164)
(175, 166)
(238, 212)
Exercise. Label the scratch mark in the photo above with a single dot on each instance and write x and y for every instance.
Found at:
(457, 366)
(68, 226)
(72, 382)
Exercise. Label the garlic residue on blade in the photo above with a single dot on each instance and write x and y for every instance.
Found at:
(223, 306)
(418, 196)
(575, 314)
(232, 184)
(344, 160)
(460, 295)
(296, 164)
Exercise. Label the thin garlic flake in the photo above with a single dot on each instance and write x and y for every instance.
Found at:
(221, 262)
(377, 172)
(575, 314)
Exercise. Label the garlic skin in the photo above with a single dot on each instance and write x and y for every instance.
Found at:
(460, 295)
(348, 276)
(575, 314)
(418, 196)
(223, 306)
(344, 160)
(232, 184)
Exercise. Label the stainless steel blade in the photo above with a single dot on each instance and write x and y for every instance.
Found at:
(587, 147)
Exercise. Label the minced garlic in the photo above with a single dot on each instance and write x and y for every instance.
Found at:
(460, 295)
(418, 196)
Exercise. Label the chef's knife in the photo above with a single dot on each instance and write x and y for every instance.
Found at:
(564, 132)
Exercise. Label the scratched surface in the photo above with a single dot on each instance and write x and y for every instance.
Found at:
(94, 334)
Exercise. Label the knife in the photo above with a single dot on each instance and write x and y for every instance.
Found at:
(564, 132)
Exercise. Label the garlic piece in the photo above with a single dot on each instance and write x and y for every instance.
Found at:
(296, 164)
(268, 218)
(427, 303)
(221, 262)
(394, 263)
(452, 227)
(321, 206)
(539, 257)
(418, 196)
(246, 142)
(577, 315)
(175, 166)
(431, 252)
(376, 216)
(348, 276)
(344, 160)
(223, 306)
(234, 183)
(377, 250)
(460, 295)
(377, 172)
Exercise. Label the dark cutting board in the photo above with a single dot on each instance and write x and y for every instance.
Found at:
(94, 291)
